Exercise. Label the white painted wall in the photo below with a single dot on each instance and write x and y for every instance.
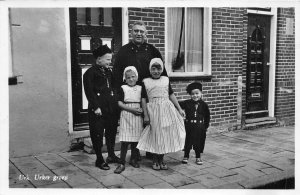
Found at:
(38, 107)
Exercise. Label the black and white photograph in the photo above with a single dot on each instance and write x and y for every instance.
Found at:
(149, 95)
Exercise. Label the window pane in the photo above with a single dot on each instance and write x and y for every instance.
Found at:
(194, 39)
(176, 38)
(95, 16)
(107, 12)
(81, 16)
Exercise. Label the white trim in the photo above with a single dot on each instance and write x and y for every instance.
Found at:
(84, 101)
(273, 35)
(68, 57)
(207, 36)
(185, 42)
(271, 13)
(187, 74)
(125, 32)
(272, 63)
(168, 68)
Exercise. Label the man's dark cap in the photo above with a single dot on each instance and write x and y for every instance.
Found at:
(101, 51)
(192, 86)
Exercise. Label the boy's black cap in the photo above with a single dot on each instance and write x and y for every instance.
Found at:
(100, 51)
(192, 86)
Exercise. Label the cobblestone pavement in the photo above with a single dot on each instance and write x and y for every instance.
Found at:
(232, 160)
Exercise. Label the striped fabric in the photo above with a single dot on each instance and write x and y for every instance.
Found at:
(131, 126)
(166, 132)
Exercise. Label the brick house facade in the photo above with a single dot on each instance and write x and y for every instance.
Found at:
(228, 63)
(43, 81)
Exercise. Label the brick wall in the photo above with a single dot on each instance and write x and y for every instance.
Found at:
(220, 92)
(229, 55)
(154, 18)
(285, 67)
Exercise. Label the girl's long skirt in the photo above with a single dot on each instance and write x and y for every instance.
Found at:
(131, 126)
(166, 131)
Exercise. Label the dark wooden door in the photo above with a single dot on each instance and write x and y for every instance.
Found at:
(90, 28)
(258, 47)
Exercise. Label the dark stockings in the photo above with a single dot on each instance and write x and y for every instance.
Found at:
(158, 158)
(134, 151)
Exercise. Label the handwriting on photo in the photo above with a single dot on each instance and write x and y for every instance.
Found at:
(44, 177)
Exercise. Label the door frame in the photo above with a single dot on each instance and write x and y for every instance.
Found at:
(125, 38)
(272, 63)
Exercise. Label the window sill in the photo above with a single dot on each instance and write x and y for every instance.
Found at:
(186, 76)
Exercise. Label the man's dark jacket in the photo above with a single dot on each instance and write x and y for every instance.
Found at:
(139, 57)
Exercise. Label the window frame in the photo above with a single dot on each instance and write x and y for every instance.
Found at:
(88, 16)
(207, 29)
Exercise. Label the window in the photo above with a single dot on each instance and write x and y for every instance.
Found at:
(107, 17)
(94, 16)
(188, 41)
(81, 15)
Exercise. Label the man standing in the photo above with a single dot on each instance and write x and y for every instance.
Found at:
(102, 108)
(136, 53)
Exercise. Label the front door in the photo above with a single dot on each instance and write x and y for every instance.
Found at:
(258, 52)
(90, 28)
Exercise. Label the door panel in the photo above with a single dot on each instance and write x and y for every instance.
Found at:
(90, 28)
(258, 45)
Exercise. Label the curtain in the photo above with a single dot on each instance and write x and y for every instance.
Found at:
(194, 39)
(174, 26)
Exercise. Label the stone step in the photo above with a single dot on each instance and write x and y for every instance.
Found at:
(256, 112)
(88, 146)
(257, 120)
(263, 123)
(89, 150)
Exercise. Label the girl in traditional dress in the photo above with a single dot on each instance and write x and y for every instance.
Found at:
(131, 121)
(165, 131)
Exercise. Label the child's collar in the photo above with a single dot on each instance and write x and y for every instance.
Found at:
(130, 85)
(196, 101)
(155, 78)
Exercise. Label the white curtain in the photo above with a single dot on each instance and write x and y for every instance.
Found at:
(174, 27)
(194, 39)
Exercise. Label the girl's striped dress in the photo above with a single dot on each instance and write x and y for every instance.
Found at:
(166, 131)
(131, 126)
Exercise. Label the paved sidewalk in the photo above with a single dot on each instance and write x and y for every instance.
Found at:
(232, 160)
